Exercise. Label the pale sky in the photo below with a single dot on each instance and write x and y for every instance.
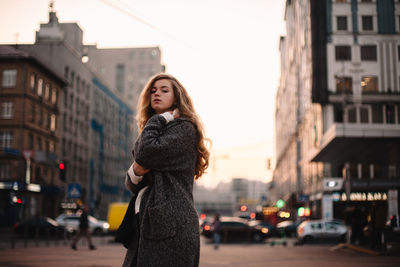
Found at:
(225, 52)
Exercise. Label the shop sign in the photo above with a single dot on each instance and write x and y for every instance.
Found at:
(364, 196)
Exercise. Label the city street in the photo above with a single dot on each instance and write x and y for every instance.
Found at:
(109, 254)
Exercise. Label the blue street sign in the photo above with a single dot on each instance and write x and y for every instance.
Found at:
(74, 190)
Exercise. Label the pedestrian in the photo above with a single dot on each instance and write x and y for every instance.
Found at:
(83, 229)
(217, 230)
(169, 154)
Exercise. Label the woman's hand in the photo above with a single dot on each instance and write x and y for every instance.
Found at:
(139, 170)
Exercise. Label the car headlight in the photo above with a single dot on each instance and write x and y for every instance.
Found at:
(106, 225)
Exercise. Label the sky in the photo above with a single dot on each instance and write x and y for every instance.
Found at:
(225, 53)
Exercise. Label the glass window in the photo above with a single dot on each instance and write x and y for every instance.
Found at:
(30, 141)
(78, 83)
(9, 78)
(367, 23)
(6, 139)
(392, 171)
(7, 110)
(342, 52)
(5, 171)
(364, 114)
(352, 114)
(40, 87)
(368, 52)
(33, 113)
(341, 23)
(338, 113)
(32, 81)
(369, 84)
(389, 113)
(47, 91)
(377, 113)
(53, 123)
(66, 73)
(344, 85)
(120, 77)
(54, 96)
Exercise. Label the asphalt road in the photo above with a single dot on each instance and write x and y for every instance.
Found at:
(110, 254)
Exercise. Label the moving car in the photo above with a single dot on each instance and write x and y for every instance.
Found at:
(71, 222)
(235, 229)
(267, 229)
(42, 227)
(289, 228)
(310, 231)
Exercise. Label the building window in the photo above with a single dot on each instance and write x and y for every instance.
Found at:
(33, 113)
(6, 139)
(342, 52)
(32, 81)
(368, 52)
(369, 84)
(338, 113)
(66, 73)
(7, 110)
(40, 87)
(5, 171)
(54, 95)
(389, 113)
(352, 114)
(344, 85)
(367, 23)
(377, 113)
(39, 143)
(398, 52)
(341, 23)
(72, 79)
(364, 114)
(53, 123)
(392, 171)
(47, 91)
(9, 78)
(78, 82)
(30, 141)
(120, 77)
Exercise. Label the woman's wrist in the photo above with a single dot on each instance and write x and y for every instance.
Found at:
(135, 179)
(167, 116)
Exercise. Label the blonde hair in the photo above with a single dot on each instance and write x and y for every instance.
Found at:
(186, 109)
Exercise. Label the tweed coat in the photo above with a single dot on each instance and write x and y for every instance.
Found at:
(169, 226)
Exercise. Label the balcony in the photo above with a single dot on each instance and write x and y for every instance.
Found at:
(353, 142)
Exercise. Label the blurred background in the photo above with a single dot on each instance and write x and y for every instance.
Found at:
(301, 100)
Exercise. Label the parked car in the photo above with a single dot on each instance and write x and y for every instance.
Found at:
(267, 229)
(41, 227)
(310, 231)
(289, 228)
(71, 222)
(235, 229)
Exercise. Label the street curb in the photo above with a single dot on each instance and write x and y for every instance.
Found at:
(356, 248)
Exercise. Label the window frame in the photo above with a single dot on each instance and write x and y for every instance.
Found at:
(9, 78)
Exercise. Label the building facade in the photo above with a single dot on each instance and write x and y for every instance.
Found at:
(341, 147)
(29, 137)
(96, 119)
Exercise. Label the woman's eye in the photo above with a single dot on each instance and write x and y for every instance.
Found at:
(165, 91)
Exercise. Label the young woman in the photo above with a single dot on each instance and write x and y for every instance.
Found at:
(169, 155)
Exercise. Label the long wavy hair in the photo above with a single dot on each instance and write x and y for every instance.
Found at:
(186, 109)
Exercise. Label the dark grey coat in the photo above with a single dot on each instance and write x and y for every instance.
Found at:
(169, 226)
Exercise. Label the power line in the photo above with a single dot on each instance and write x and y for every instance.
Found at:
(130, 14)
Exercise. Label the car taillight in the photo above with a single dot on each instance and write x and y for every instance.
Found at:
(207, 228)
(264, 230)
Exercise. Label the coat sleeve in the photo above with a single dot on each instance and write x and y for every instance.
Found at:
(162, 148)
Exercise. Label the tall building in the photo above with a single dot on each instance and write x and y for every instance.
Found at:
(96, 117)
(29, 137)
(338, 107)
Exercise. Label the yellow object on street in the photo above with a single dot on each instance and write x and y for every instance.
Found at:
(116, 213)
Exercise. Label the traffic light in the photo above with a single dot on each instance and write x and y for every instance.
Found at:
(62, 170)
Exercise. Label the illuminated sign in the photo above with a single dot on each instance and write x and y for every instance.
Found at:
(368, 196)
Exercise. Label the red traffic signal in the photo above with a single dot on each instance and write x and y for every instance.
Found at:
(61, 166)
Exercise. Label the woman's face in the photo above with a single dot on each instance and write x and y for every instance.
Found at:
(162, 96)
